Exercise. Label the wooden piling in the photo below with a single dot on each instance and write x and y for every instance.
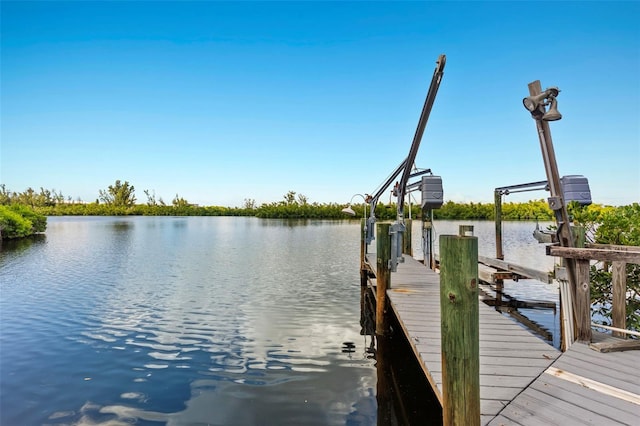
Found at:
(406, 238)
(363, 252)
(460, 330)
(383, 276)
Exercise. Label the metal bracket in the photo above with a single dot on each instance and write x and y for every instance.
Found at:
(560, 273)
(555, 203)
(371, 229)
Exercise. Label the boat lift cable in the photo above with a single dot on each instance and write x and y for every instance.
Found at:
(376, 196)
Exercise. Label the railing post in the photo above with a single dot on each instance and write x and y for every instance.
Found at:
(582, 302)
(383, 276)
(619, 301)
(460, 330)
(582, 306)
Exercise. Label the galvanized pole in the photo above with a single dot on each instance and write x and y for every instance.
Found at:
(556, 203)
(497, 197)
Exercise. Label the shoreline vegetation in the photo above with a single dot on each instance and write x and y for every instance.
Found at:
(120, 199)
(24, 213)
(19, 221)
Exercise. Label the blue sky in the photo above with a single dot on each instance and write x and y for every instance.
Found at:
(219, 102)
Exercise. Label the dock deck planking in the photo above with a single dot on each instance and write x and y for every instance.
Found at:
(510, 357)
(518, 380)
(592, 388)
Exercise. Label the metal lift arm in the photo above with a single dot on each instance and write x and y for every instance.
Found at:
(422, 124)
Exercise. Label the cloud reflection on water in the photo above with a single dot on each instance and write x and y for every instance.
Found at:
(265, 328)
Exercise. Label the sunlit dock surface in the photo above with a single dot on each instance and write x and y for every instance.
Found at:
(523, 380)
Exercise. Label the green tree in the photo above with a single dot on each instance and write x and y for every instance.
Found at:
(18, 221)
(5, 195)
(249, 204)
(151, 197)
(618, 226)
(179, 202)
(290, 198)
(119, 195)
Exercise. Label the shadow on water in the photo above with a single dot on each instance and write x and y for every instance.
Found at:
(122, 226)
(403, 393)
(18, 245)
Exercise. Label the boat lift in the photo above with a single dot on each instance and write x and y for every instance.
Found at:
(401, 188)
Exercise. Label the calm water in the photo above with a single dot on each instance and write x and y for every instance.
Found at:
(234, 321)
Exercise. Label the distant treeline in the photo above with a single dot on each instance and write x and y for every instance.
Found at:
(120, 200)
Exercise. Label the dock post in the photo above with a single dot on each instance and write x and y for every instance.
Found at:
(460, 330)
(406, 240)
(619, 298)
(582, 308)
(383, 276)
(363, 251)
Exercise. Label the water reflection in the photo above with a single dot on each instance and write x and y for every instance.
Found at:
(402, 392)
(120, 226)
(187, 321)
(19, 245)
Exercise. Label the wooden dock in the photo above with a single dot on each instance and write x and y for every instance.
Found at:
(523, 380)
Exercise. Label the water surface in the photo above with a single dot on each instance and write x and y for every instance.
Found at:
(184, 321)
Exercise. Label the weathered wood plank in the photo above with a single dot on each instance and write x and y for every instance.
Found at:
(545, 277)
(600, 383)
(623, 345)
(582, 301)
(594, 254)
(613, 247)
(580, 395)
(630, 359)
(533, 407)
(624, 379)
(619, 299)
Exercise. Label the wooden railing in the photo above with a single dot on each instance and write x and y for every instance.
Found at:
(619, 256)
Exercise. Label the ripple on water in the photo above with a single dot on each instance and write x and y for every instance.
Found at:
(146, 310)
